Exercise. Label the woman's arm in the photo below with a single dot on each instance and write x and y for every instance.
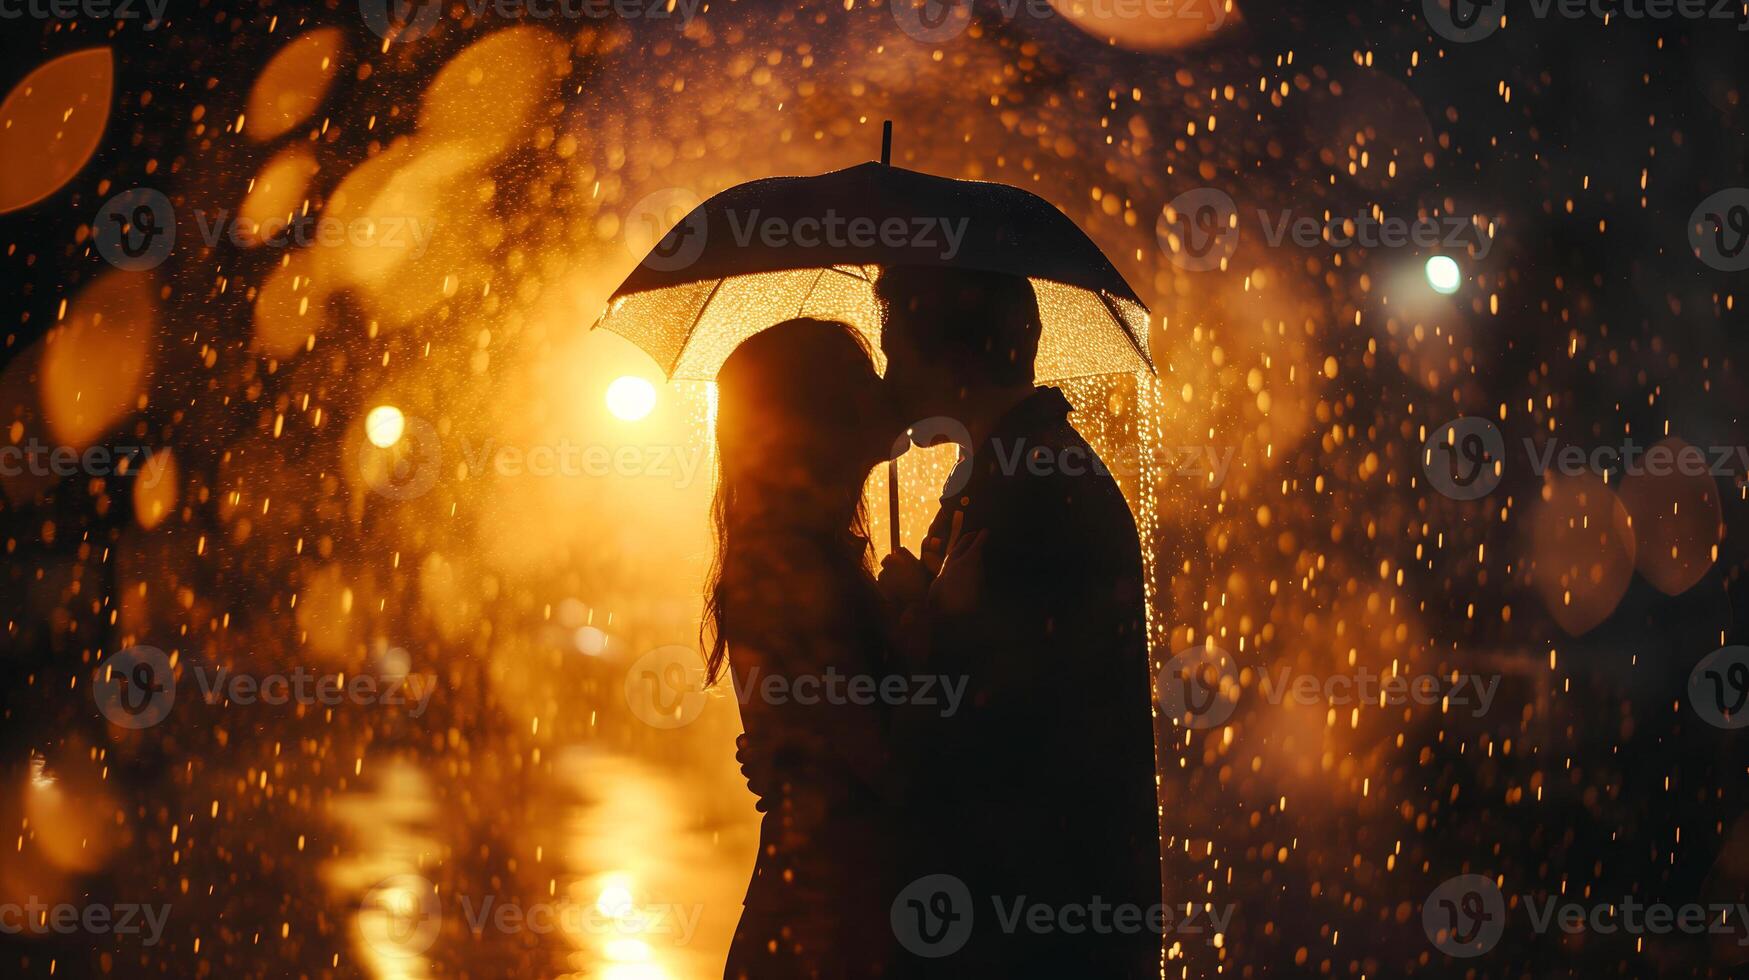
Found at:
(795, 651)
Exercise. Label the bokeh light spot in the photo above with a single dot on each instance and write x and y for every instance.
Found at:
(1444, 275)
(293, 84)
(631, 398)
(50, 124)
(384, 426)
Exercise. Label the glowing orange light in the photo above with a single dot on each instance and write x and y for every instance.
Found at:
(384, 426)
(631, 398)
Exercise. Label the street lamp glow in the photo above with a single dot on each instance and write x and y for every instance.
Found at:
(384, 426)
(1444, 275)
(630, 398)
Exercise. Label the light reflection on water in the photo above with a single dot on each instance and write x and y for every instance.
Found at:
(391, 828)
(645, 887)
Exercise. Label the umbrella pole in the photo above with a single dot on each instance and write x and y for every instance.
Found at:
(893, 505)
(895, 539)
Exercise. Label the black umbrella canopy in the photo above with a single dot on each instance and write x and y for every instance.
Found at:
(779, 247)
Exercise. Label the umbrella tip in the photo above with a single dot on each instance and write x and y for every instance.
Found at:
(887, 142)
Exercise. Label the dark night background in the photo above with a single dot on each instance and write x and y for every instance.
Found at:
(1590, 320)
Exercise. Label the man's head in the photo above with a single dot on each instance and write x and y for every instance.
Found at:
(952, 335)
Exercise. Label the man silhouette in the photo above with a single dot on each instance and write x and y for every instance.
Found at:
(1040, 791)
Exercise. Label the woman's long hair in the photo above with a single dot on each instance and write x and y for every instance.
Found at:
(791, 400)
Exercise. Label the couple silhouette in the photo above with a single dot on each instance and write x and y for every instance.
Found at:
(900, 838)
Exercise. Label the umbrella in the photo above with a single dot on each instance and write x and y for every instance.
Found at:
(768, 250)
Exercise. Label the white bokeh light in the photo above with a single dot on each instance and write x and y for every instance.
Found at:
(630, 398)
(384, 426)
(1444, 275)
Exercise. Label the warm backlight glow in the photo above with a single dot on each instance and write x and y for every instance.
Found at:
(384, 426)
(630, 398)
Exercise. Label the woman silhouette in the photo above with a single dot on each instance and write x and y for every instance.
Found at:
(801, 419)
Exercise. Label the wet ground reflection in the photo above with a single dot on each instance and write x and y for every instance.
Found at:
(620, 874)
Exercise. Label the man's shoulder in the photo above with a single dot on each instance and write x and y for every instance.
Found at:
(1050, 456)
(1058, 490)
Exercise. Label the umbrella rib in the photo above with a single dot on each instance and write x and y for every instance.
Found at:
(699, 316)
(1117, 317)
(803, 305)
